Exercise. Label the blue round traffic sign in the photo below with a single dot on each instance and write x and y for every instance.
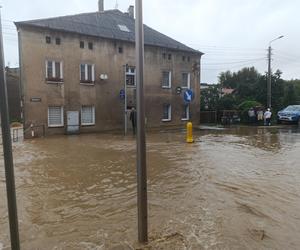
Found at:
(188, 95)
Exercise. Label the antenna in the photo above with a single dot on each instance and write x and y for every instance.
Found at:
(117, 5)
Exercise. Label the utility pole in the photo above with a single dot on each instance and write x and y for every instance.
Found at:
(8, 156)
(269, 84)
(141, 141)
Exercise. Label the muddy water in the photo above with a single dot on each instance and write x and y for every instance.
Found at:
(232, 189)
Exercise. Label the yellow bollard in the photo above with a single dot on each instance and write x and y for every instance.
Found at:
(189, 133)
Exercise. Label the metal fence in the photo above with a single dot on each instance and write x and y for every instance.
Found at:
(220, 116)
(35, 131)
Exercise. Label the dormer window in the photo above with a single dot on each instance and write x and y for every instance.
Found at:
(123, 28)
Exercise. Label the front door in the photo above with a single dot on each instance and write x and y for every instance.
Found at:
(73, 122)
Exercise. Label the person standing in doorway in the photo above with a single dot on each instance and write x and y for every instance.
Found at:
(267, 117)
(133, 119)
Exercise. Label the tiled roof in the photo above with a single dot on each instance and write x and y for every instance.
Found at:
(111, 24)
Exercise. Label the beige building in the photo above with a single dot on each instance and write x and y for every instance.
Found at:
(74, 70)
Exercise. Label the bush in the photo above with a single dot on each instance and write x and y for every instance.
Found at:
(245, 106)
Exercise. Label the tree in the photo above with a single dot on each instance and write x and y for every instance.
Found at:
(227, 102)
(290, 95)
(226, 80)
(210, 98)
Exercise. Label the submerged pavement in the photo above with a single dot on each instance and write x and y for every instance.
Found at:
(236, 188)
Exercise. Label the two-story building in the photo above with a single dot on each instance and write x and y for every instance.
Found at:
(78, 73)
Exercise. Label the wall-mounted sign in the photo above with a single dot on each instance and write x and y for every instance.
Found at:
(178, 90)
(36, 99)
(122, 94)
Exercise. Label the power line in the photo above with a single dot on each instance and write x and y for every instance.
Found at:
(235, 62)
(215, 47)
(233, 67)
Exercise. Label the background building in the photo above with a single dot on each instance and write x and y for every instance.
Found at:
(74, 69)
(13, 93)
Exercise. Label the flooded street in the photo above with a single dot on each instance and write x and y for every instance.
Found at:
(237, 188)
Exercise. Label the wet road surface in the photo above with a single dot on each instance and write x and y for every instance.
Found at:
(237, 188)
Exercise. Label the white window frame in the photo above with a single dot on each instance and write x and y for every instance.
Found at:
(93, 116)
(189, 80)
(130, 71)
(86, 73)
(187, 111)
(54, 70)
(169, 113)
(62, 117)
(170, 80)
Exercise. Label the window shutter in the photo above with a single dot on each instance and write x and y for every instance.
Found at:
(55, 116)
(87, 115)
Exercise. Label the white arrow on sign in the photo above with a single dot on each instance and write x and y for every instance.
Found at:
(188, 96)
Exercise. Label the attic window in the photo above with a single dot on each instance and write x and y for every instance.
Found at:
(48, 39)
(57, 41)
(123, 28)
(81, 44)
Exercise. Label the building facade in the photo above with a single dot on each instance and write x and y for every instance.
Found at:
(78, 74)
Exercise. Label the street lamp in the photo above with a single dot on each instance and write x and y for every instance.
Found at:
(269, 85)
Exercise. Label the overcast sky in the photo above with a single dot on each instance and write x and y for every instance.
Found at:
(232, 33)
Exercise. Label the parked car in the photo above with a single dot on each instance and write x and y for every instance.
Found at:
(290, 114)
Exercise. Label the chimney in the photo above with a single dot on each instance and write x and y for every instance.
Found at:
(100, 5)
(131, 11)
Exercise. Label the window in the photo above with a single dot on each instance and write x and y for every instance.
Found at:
(166, 81)
(186, 112)
(81, 44)
(87, 115)
(183, 58)
(164, 55)
(130, 76)
(87, 73)
(90, 45)
(166, 113)
(188, 59)
(55, 116)
(169, 56)
(54, 71)
(48, 39)
(57, 41)
(120, 50)
(186, 79)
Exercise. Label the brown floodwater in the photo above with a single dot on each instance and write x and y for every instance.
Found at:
(235, 188)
